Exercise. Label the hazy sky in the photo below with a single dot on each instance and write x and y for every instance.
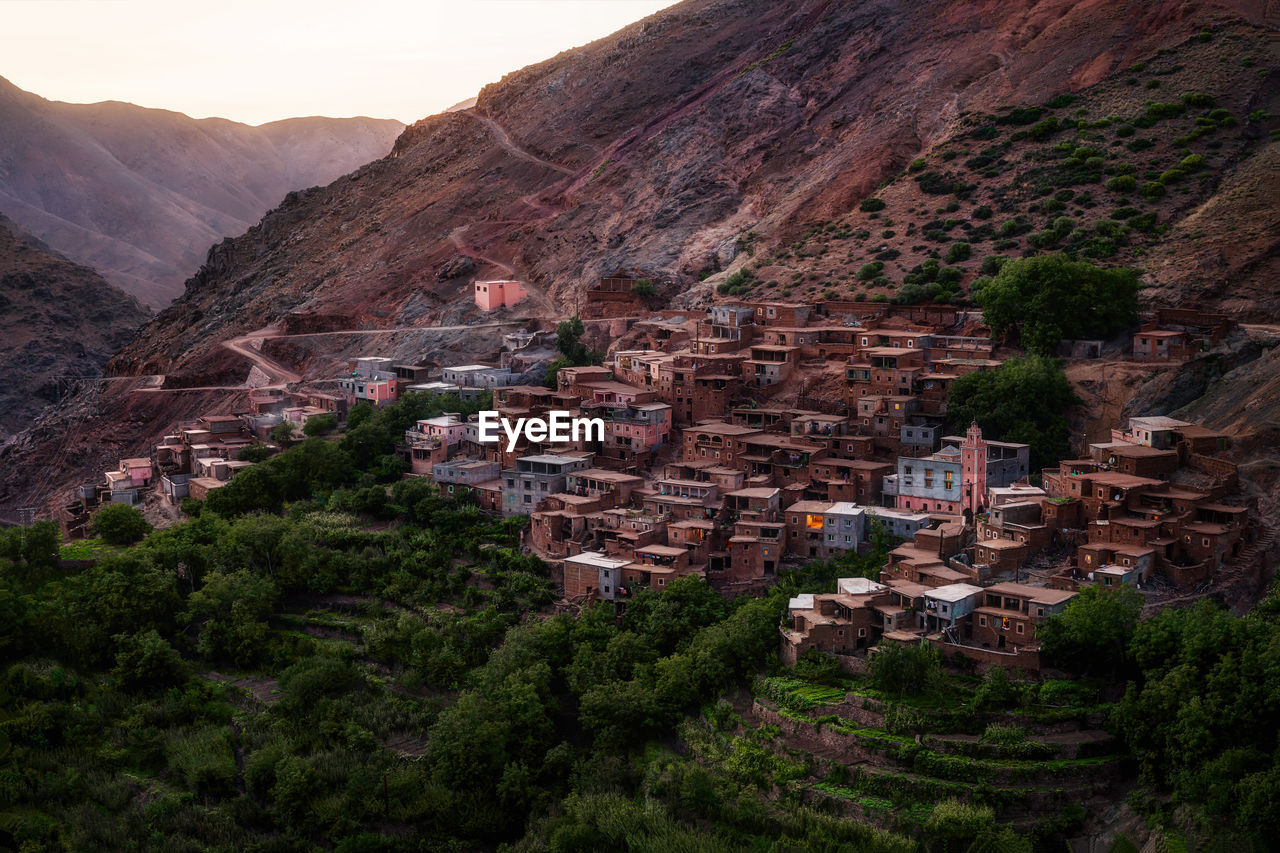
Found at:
(271, 59)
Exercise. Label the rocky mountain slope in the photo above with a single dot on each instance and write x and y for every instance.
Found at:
(723, 135)
(662, 147)
(58, 320)
(140, 194)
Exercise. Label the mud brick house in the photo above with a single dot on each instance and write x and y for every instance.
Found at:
(410, 374)
(769, 365)
(463, 473)
(1010, 613)
(726, 329)
(698, 537)
(804, 524)
(900, 523)
(778, 459)
(906, 604)
(613, 296)
(1014, 530)
(476, 376)
(591, 575)
(599, 482)
(855, 480)
(837, 623)
(1178, 334)
(716, 441)
(490, 295)
(698, 388)
(683, 499)
(535, 478)
(948, 607)
(637, 426)
(756, 549)
(781, 314)
(1139, 460)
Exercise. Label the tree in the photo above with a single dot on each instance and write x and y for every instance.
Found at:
(119, 524)
(146, 659)
(1091, 635)
(1041, 300)
(259, 451)
(282, 433)
(569, 341)
(1022, 400)
(320, 425)
(906, 669)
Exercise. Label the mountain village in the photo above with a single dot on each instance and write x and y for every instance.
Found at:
(700, 471)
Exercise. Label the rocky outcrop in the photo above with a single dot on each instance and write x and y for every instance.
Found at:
(59, 323)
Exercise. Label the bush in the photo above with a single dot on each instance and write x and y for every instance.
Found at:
(958, 252)
(1122, 184)
(643, 287)
(870, 205)
(146, 659)
(320, 425)
(119, 524)
(1153, 190)
(906, 669)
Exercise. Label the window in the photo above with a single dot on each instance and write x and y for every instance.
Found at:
(862, 632)
(1019, 628)
(982, 621)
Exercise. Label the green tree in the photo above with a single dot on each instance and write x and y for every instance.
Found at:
(1022, 400)
(1091, 635)
(906, 670)
(119, 524)
(569, 342)
(146, 659)
(282, 433)
(320, 425)
(231, 611)
(1038, 301)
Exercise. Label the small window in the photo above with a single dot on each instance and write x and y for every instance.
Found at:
(1019, 628)
(982, 621)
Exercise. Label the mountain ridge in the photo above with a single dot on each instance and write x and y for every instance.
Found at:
(140, 192)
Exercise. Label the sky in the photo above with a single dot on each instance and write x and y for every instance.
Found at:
(271, 59)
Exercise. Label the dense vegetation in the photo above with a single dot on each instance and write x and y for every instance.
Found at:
(330, 660)
(1022, 400)
(1039, 301)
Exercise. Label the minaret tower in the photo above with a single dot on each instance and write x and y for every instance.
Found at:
(973, 470)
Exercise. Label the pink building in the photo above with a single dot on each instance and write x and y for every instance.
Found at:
(498, 294)
(449, 428)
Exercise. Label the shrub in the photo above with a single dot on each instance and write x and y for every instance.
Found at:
(959, 251)
(982, 212)
(916, 165)
(1153, 190)
(643, 287)
(1122, 184)
(906, 669)
(870, 271)
(320, 425)
(119, 524)
(870, 205)
(1197, 99)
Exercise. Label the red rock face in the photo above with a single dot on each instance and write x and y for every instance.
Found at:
(657, 147)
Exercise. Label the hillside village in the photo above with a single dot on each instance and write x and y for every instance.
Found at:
(702, 471)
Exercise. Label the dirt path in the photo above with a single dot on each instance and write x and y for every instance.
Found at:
(504, 140)
(278, 373)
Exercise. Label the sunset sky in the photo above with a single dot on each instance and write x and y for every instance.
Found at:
(271, 59)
